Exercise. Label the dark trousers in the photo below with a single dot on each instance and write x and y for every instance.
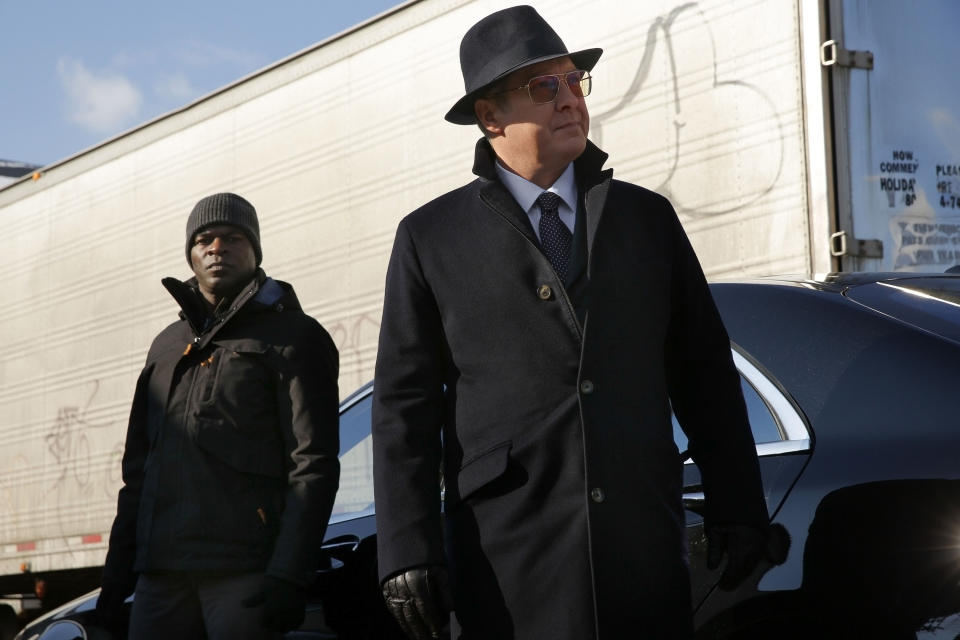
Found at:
(190, 606)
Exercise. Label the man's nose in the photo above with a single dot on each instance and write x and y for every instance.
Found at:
(217, 245)
(565, 96)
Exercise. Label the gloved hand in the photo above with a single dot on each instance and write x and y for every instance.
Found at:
(419, 599)
(284, 603)
(744, 545)
(111, 613)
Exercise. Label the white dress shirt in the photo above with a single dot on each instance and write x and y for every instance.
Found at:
(526, 194)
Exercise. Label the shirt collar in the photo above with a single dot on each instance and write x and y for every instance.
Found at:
(526, 193)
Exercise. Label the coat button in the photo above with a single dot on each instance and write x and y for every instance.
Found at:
(596, 494)
(544, 292)
(586, 387)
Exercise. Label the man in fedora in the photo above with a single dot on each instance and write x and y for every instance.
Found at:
(230, 465)
(538, 324)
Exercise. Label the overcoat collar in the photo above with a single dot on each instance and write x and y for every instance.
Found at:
(592, 180)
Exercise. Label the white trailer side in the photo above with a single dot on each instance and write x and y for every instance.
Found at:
(701, 101)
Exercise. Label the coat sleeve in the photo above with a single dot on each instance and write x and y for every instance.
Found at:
(308, 402)
(118, 569)
(408, 409)
(706, 396)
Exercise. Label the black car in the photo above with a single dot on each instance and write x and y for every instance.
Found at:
(852, 383)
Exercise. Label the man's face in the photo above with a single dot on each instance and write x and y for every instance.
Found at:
(223, 261)
(538, 140)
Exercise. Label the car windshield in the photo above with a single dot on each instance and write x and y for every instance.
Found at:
(932, 304)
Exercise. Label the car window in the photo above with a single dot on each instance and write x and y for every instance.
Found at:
(355, 495)
(762, 421)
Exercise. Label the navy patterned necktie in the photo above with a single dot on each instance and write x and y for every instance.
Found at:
(555, 237)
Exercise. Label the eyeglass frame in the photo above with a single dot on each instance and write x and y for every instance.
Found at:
(561, 80)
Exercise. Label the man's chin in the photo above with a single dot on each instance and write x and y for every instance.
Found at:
(572, 147)
(226, 286)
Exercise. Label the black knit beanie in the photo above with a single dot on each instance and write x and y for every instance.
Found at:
(224, 208)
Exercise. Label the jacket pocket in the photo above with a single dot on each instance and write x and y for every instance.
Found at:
(240, 386)
(262, 456)
(481, 470)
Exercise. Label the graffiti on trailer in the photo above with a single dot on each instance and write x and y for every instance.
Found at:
(352, 336)
(686, 102)
(68, 444)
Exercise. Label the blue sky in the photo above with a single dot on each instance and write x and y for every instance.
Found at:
(74, 73)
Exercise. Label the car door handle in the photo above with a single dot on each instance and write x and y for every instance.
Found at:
(335, 551)
(694, 500)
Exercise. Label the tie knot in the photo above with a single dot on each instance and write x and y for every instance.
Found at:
(549, 202)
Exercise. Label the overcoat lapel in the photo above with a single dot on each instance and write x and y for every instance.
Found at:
(596, 199)
(496, 196)
(595, 185)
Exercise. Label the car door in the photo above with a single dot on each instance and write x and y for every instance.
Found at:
(783, 445)
(345, 601)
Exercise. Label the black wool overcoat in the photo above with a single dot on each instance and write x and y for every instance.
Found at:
(547, 406)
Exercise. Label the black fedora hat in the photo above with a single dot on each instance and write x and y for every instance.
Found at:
(503, 42)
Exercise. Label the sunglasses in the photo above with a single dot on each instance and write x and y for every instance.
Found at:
(544, 89)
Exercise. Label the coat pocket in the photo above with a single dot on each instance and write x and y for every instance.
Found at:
(481, 470)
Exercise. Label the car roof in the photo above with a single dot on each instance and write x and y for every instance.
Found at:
(356, 395)
(855, 361)
(929, 302)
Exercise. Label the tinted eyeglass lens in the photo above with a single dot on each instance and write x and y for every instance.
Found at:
(543, 88)
(579, 83)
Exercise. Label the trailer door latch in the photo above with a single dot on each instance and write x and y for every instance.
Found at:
(840, 245)
(831, 53)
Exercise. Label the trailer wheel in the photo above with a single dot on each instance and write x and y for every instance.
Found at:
(9, 625)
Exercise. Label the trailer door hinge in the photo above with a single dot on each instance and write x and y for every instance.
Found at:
(831, 53)
(840, 245)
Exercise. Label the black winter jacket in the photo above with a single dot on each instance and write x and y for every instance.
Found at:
(231, 452)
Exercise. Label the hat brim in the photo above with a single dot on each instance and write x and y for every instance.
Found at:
(462, 112)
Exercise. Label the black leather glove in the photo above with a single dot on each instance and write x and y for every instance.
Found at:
(419, 599)
(111, 612)
(744, 545)
(284, 603)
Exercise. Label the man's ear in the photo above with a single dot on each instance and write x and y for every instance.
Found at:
(488, 116)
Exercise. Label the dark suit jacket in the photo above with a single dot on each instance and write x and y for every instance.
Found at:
(563, 484)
